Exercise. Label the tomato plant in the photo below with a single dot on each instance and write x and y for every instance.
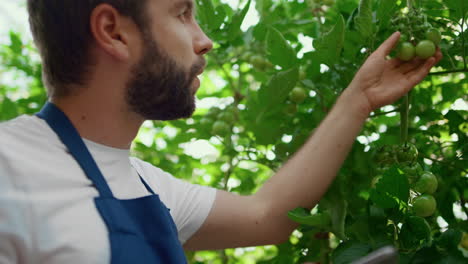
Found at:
(249, 126)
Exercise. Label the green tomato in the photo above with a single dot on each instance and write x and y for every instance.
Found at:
(297, 95)
(290, 109)
(385, 155)
(213, 113)
(412, 171)
(406, 51)
(427, 183)
(403, 38)
(424, 205)
(227, 117)
(258, 62)
(302, 75)
(220, 128)
(464, 241)
(434, 36)
(425, 49)
(407, 153)
(247, 56)
(205, 121)
(328, 2)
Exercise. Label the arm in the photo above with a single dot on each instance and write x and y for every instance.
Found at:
(303, 180)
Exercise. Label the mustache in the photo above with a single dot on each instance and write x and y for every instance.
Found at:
(198, 67)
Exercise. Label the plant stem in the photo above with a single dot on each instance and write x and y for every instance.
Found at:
(448, 72)
(463, 42)
(409, 4)
(384, 113)
(404, 110)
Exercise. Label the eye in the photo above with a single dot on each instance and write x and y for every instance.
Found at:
(186, 14)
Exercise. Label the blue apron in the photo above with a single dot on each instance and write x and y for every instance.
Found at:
(140, 230)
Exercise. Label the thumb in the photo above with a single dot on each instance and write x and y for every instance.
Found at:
(388, 45)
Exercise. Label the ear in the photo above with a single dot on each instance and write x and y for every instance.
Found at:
(111, 31)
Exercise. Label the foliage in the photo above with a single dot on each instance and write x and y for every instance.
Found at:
(250, 75)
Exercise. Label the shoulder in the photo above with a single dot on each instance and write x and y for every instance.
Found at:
(25, 129)
(168, 187)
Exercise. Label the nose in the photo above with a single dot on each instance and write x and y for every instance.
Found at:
(202, 43)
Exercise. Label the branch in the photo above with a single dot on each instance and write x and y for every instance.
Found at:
(448, 72)
(384, 113)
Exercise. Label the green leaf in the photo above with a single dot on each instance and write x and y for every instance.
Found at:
(349, 251)
(279, 51)
(303, 217)
(276, 92)
(210, 17)
(16, 43)
(414, 232)
(385, 11)
(9, 109)
(234, 28)
(455, 119)
(391, 190)
(336, 205)
(363, 20)
(329, 45)
(458, 8)
(450, 239)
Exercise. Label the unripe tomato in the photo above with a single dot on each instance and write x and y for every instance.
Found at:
(412, 171)
(434, 36)
(403, 38)
(247, 56)
(302, 75)
(226, 117)
(407, 153)
(406, 51)
(205, 121)
(297, 95)
(290, 109)
(424, 205)
(220, 128)
(213, 113)
(425, 49)
(427, 183)
(385, 155)
(328, 2)
(258, 62)
(464, 241)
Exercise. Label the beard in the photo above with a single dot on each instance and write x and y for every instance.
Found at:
(158, 88)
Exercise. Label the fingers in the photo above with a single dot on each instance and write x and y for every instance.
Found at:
(410, 66)
(388, 45)
(418, 74)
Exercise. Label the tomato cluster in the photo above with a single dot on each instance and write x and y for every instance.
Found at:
(296, 96)
(418, 37)
(423, 183)
(220, 121)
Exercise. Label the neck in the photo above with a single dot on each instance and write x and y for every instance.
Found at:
(99, 120)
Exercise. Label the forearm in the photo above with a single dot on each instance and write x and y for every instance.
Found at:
(305, 178)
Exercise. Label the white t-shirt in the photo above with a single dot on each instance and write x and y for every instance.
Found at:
(47, 211)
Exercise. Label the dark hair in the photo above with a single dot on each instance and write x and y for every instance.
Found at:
(61, 31)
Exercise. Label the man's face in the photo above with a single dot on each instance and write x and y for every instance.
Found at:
(164, 81)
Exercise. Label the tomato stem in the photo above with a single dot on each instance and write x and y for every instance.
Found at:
(404, 110)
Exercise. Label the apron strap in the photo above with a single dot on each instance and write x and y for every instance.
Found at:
(146, 185)
(63, 127)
